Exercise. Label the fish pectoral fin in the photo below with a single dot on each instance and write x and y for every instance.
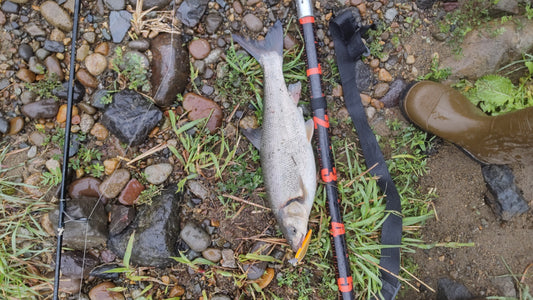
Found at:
(254, 136)
(309, 129)
(295, 90)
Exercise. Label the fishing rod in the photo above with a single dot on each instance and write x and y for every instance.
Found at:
(66, 150)
(325, 155)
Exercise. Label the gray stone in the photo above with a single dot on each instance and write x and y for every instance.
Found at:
(505, 285)
(113, 185)
(451, 290)
(190, 11)
(86, 123)
(503, 196)
(131, 117)
(390, 14)
(77, 264)
(115, 4)
(101, 272)
(121, 216)
(228, 259)
(156, 229)
(10, 7)
(34, 30)
(140, 45)
(82, 232)
(198, 189)
(505, 7)
(43, 109)
(147, 4)
(4, 125)
(119, 24)
(54, 46)
(392, 98)
(212, 254)
(212, 22)
(158, 173)
(195, 237)
(77, 95)
(89, 36)
(256, 269)
(42, 53)
(220, 297)
(25, 51)
(253, 23)
(36, 66)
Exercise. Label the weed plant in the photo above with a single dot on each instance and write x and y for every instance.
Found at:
(44, 88)
(23, 239)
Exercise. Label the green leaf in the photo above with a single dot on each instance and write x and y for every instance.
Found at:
(493, 93)
(529, 65)
(129, 248)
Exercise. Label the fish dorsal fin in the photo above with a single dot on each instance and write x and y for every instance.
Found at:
(295, 90)
(309, 129)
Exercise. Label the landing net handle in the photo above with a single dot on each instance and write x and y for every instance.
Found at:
(325, 155)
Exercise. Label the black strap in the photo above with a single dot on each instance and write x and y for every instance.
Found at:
(349, 48)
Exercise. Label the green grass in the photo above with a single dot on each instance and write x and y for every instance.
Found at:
(23, 240)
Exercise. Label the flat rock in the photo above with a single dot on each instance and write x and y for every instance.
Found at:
(200, 107)
(82, 232)
(451, 290)
(77, 264)
(44, 109)
(131, 117)
(156, 229)
(131, 191)
(56, 15)
(121, 216)
(392, 97)
(119, 24)
(503, 196)
(190, 11)
(170, 68)
(158, 173)
(84, 187)
(147, 4)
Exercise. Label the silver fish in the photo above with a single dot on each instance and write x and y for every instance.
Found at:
(287, 157)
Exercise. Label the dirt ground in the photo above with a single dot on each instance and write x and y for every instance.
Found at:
(463, 216)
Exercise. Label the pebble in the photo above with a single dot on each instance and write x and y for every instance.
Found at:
(390, 14)
(170, 68)
(213, 56)
(61, 116)
(37, 138)
(157, 174)
(62, 92)
(10, 7)
(228, 259)
(15, 125)
(86, 78)
(370, 112)
(54, 46)
(101, 292)
(26, 75)
(381, 89)
(237, 6)
(96, 63)
(4, 125)
(86, 123)
(83, 51)
(198, 189)
(25, 51)
(195, 237)
(410, 59)
(57, 35)
(220, 297)
(140, 45)
(212, 254)
(35, 66)
(89, 36)
(119, 24)
(70, 285)
(52, 165)
(99, 131)
(176, 291)
(289, 41)
(34, 31)
(87, 108)
(113, 185)
(2, 18)
(131, 191)
(43, 109)
(42, 53)
(200, 107)
(32, 152)
(384, 75)
(212, 22)
(199, 48)
(31, 184)
(115, 4)
(84, 187)
(253, 23)
(53, 66)
(110, 166)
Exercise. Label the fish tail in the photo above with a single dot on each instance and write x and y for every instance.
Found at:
(273, 42)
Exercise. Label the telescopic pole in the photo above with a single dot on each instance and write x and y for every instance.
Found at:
(66, 150)
(325, 155)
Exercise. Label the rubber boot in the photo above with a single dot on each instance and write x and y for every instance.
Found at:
(445, 112)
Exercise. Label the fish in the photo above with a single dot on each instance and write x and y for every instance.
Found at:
(286, 153)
